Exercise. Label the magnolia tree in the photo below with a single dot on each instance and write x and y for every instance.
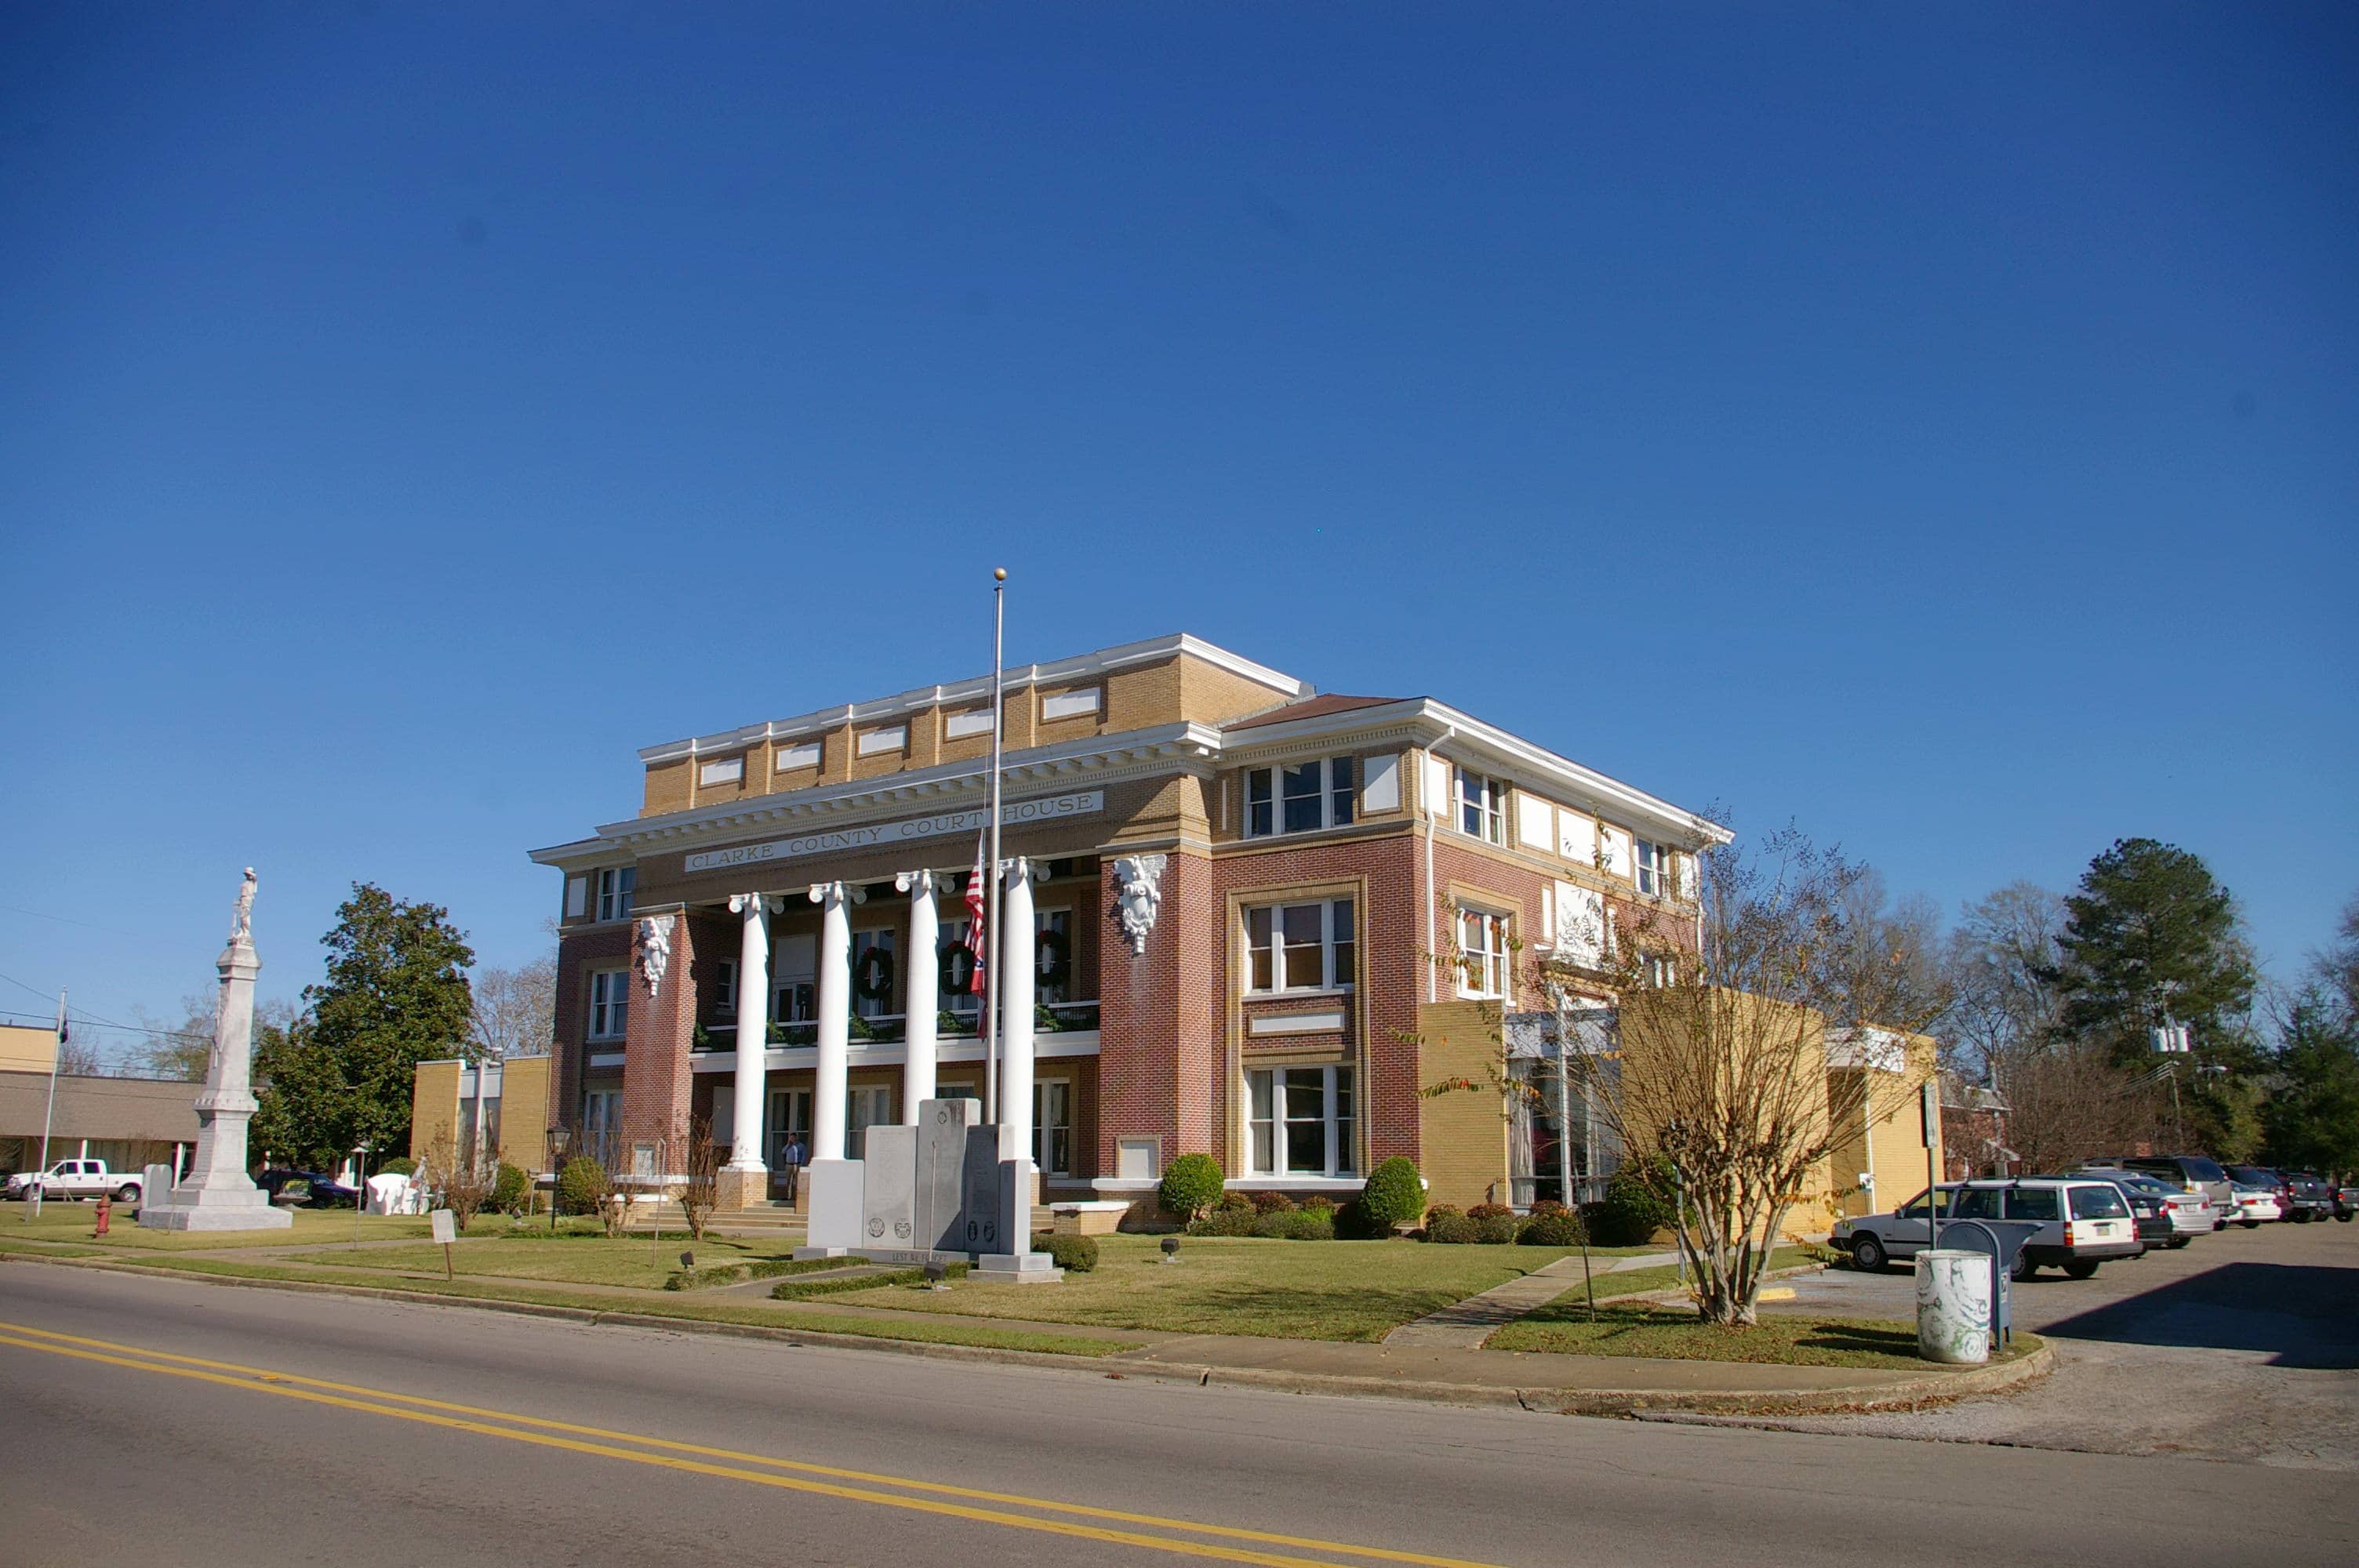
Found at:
(1713, 1078)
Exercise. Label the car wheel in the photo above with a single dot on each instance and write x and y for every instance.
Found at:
(2250, 1224)
(2080, 1268)
(127, 1193)
(1867, 1253)
(2344, 1217)
(2024, 1266)
(2177, 1242)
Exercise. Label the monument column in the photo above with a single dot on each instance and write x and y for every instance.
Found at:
(1021, 962)
(218, 1194)
(922, 993)
(746, 1180)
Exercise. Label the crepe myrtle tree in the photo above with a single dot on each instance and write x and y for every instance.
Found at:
(1714, 1079)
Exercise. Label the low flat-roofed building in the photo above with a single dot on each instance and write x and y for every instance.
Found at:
(128, 1122)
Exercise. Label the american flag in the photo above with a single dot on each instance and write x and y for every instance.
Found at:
(976, 974)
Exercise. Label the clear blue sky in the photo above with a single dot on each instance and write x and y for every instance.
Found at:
(1941, 430)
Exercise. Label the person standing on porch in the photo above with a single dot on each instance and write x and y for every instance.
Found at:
(793, 1159)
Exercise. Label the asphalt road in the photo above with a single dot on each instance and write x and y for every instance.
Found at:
(2243, 1346)
(685, 1449)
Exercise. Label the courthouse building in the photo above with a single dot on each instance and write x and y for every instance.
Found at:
(1225, 895)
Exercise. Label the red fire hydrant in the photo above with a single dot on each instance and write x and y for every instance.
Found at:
(105, 1213)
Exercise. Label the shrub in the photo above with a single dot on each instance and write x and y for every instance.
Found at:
(1235, 1215)
(1547, 1205)
(1393, 1195)
(1632, 1211)
(1295, 1225)
(399, 1165)
(1493, 1223)
(1191, 1184)
(510, 1189)
(1315, 1203)
(1552, 1226)
(581, 1185)
(1273, 1203)
(1446, 1223)
(1074, 1254)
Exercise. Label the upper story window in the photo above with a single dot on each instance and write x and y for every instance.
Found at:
(1482, 807)
(872, 973)
(1658, 870)
(1662, 972)
(614, 885)
(610, 1001)
(725, 987)
(1301, 946)
(1302, 798)
(1482, 953)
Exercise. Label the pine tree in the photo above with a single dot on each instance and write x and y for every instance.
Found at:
(2152, 937)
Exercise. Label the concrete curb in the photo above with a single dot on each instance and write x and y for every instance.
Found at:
(1916, 1393)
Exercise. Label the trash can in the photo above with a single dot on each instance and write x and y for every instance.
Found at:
(2002, 1240)
(1953, 1307)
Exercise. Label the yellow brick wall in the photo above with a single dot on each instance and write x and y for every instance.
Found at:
(433, 1106)
(523, 1111)
(1463, 1132)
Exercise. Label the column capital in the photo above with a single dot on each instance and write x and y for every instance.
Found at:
(1022, 867)
(755, 902)
(916, 881)
(838, 893)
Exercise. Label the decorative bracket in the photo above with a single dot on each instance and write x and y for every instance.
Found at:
(1138, 895)
(654, 947)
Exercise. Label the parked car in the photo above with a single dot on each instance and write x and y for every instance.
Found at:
(2346, 1203)
(2256, 1205)
(76, 1179)
(1875, 1240)
(2166, 1217)
(2083, 1222)
(2188, 1173)
(2312, 1194)
(320, 1189)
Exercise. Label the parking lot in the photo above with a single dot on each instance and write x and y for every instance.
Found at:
(2243, 1346)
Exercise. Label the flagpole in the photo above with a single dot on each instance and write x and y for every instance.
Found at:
(991, 921)
(54, 1057)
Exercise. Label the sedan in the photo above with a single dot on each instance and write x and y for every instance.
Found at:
(2166, 1217)
(2256, 1204)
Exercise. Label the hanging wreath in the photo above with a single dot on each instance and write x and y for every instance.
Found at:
(1056, 958)
(872, 978)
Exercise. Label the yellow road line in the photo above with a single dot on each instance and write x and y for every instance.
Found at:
(262, 1381)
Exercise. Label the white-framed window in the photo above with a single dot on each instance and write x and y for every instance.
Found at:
(614, 886)
(1662, 972)
(577, 897)
(1052, 1126)
(794, 979)
(725, 987)
(602, 1110)
(610, 1004)
(1303, 797)
(1301, 946)
(1052, 955)
(864, 1106)
(1301, 1121)
(1482, 953)
(1482, 806)
(1658, 870)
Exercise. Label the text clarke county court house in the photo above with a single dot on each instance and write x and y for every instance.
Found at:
(1223, 886)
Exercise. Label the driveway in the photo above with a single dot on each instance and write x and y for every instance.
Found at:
(2243, 1346)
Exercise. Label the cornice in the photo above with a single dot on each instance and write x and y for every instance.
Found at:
(977, 688)
(1185, 747)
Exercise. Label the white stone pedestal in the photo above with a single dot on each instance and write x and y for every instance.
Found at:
(218, 1194)
(1016, 1269)
(837, 1189)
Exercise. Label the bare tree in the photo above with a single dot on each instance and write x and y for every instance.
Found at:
(461, 1180)
(514, 1011)
(1717, 1072)
(700, 1161)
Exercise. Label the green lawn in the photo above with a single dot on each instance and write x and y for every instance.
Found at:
(1673, 1333)
(1294, 1290)
(591, 1261)
(73, 1222)
(685, 1307)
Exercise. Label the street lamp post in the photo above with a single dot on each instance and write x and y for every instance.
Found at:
(360, 1187)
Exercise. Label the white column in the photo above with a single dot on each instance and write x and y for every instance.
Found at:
(828, 1109)
(1019, 969)
(753, 1026)
(921, 992)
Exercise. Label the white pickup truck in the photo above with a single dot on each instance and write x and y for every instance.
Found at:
(76, 1179)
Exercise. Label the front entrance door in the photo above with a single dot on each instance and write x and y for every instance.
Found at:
(788, 1122)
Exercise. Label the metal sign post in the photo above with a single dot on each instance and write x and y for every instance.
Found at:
(1932, 1107)
(445, 1227)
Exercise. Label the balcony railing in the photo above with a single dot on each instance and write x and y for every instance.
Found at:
(1048, 1018)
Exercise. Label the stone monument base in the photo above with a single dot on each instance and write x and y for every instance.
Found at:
(734, 1189)
(1016, 1269)
(835, 1187)
(205, 1209)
